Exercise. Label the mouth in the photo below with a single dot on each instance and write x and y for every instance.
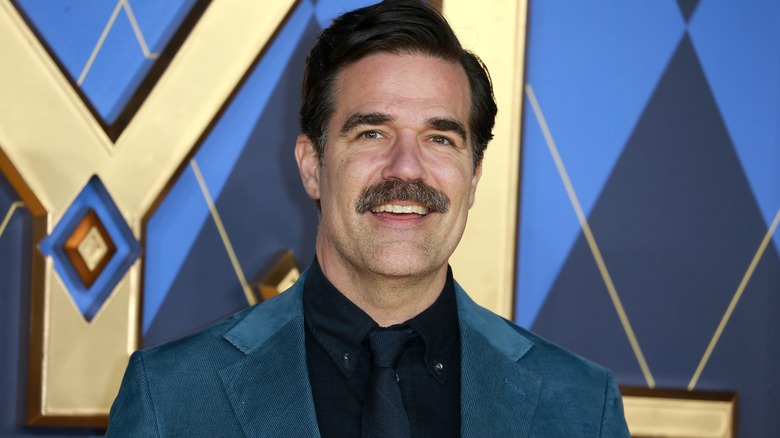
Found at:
(402, 199)
(418, 210)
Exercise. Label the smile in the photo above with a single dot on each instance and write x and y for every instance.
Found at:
(400, 209)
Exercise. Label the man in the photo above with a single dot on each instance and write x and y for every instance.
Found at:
(395, 119)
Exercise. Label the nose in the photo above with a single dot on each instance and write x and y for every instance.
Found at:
(404, 159)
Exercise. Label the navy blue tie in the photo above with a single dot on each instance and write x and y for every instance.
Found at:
(383, 409)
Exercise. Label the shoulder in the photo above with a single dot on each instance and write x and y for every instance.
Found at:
(224, 342)
(205, 345)
(575, 393)
(548, 358)
(184, 378)
(538, 355)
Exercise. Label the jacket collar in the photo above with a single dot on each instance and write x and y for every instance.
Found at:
(498, 397)
(272, 338)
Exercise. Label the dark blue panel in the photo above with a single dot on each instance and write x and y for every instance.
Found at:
(261, 203)
(170, 235)
(737, 43)
(678, 225)
(263, 199)
(14, 306)
(248, 166)
(205, 291)
(172, 230)
(748, 353)
(688, 7)
(15, 261)
(592, 66)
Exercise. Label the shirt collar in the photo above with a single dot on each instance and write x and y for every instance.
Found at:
(438, 327)
(340, 326)
(335, 322)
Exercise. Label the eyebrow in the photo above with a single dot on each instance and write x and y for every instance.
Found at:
(364, 119)
(438, 123)
(448, 125)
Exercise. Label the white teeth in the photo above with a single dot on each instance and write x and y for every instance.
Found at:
(392, 208)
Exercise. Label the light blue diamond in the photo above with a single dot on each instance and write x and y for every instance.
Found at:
(94, 196)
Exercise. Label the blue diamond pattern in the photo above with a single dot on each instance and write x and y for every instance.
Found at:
(619, 51)
(737, 46)
(93, 196)
(250, 201)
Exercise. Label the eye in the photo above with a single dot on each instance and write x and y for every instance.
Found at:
(370, 135)
(438, 139)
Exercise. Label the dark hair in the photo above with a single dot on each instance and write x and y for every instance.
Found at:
(398, 27)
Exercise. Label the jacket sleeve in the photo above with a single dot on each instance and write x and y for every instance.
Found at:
(613, 421)
(132, 413)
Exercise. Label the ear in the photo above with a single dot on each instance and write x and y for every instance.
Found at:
(308, 165)
(474, 182)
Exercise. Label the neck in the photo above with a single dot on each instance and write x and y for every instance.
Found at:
(388, 300)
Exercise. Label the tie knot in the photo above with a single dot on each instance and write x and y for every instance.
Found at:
(387, 344)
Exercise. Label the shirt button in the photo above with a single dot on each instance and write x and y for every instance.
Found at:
(345, 357)
(438, 367)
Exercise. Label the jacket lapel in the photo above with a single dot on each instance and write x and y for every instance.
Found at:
(269, 387)
(498, 397)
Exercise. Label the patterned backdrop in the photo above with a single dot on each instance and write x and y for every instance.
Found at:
(230, 211)
(650, 193)
(649, 201)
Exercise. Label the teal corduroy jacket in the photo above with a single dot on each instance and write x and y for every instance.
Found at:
(247, 376)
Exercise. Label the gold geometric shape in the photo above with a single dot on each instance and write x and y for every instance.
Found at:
(89, 248)
(93, 248)
(674, 413)
(74, 368)
(147, 81)
(281, 276)
(485, 258)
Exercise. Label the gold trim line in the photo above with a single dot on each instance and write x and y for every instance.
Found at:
(590, 238)
(100, 42)
(9, 214)
(250, 296)
(734, 301)
(137, 30)
(120, 4)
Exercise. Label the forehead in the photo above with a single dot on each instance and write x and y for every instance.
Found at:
(406, 87)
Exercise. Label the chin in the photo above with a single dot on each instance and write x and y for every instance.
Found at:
(403, 266)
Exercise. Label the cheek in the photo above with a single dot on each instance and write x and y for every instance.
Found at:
(456, 179)
(345, 179)
(358, 171)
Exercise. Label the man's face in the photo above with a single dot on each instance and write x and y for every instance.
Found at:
(404, 119)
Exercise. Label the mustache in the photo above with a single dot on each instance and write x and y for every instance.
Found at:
(387, 191)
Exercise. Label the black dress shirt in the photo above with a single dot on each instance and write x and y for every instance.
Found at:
(339, 361)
